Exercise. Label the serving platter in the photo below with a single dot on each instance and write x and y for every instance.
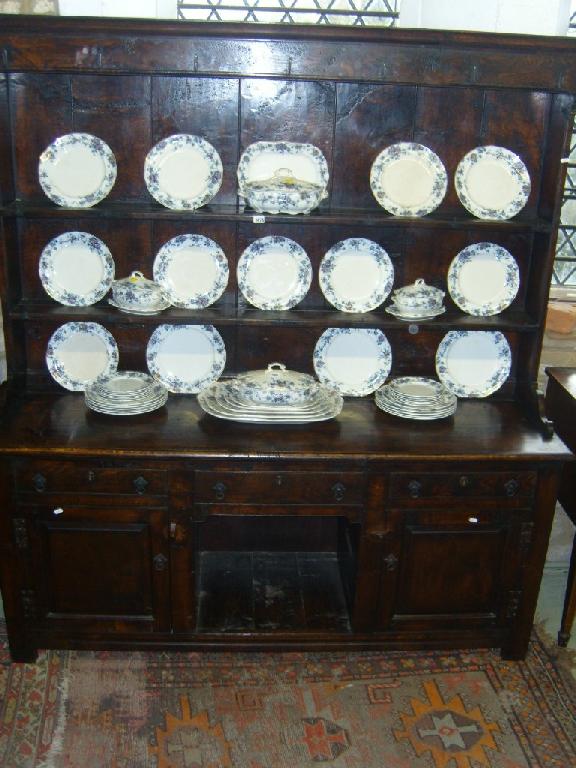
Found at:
(408, 179)
(183, 172)
(193, 271)
(473, 363)
(77, 170)
(263, 159)
(356, 275)
(354, 360)
(492, 183)
(78, 353)
(483, 279)
(186, 358)
(274, 273)
(76, 269)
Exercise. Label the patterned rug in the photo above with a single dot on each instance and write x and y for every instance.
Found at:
(466, 709)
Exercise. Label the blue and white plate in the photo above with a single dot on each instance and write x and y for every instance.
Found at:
(473, 363)
(492, 183)
(262, 159)
(76, 269)
(274, 273)
(186, 358)
(356, 275)
(483, 279)
(408, 179)
(183, 172)
(354, 360)
(78, 353)
(77, 170)
(193, 271)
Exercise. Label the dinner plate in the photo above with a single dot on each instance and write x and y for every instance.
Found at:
(492, 182)
(77, 170)
(356, 275)
(354, 360)
(473, 363)
(183, 171)
(274, 273)
(193, 271)
(78, 353)
(262, 159)
(76, 269)
(186, 358)
(483, 279)
(408, 179)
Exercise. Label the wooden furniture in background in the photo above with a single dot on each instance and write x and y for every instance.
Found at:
(177, 530)
(561, 408)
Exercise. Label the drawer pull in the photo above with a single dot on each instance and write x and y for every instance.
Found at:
(472, 519)
(39, 482)
(511, 487)
(91, 475)
(338, 491)
(58, 511)
(140, 484)
(391, 562)
(414, 489)
(220, 490)
(464, 482)
(160, 562)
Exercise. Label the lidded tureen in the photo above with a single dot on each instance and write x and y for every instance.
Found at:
(137, 292)
(418, 297)
(275, 384)
(283, 192)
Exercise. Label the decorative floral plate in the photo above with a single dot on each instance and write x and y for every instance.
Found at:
(492, 183)
(78, 353)
(183, 172)
(473, 363)
(77, 170)
(483, 279)
(76, 269)
(408, 179)
(356, 275)
(186, 358)
(274, 273)
(354, 360)
(193, 271)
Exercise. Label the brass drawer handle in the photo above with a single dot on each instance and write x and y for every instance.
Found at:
(414, 489)
(160, 562)
(338, 491)
(464, 481)
(511, 487)
(140, 484)
(220, 491)
(39, 482)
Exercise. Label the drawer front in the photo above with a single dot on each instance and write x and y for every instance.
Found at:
(264, 488)
(84, 478)
(407, 488)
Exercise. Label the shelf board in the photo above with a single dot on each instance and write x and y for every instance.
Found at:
(368, 217)
(223, 315)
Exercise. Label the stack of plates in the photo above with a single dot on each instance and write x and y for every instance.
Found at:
(414, 397)
(125, 393)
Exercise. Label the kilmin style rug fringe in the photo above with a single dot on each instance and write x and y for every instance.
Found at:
(462, 709)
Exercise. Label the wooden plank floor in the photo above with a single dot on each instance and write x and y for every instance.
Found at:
(270, 591)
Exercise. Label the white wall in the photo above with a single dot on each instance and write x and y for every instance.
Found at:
(159, 9)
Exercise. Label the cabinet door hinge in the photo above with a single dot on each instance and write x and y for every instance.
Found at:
(526, 533)
(20, 532)
(160, 562)
(514, 600)
(29, 603)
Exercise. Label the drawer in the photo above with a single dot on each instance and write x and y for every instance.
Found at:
(86, 478)
(264, 488)
(407, 487)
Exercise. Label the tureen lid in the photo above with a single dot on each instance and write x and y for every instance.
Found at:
(282, 180)
(419, 289)
(275, 382)
(137, 280)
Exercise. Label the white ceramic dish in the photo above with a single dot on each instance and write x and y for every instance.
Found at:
(354, 360)
(153, 309)
(193, 271)
(76, 269)
(356, 275)
(408, 179)
(483, 279)
(77, 170)
(78, 353)
(125, 393)
(261, 160)
(492, 182)
(283, 193)
(186, 358)
(427, 314)
(183, 172)
(473, 363)
(418, 298)
(275, 385)
(137, 292)
(274, 273)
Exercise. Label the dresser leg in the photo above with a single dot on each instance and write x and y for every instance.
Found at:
(569, 601)
(23, 655)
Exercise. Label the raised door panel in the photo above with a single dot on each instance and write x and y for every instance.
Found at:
(99, 569)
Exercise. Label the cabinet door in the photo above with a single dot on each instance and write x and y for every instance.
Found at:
(98, 569)
(456, 568)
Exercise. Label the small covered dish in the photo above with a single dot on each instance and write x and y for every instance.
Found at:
(275, 384)
(283, 193)
(418, 297)
(137, 292)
